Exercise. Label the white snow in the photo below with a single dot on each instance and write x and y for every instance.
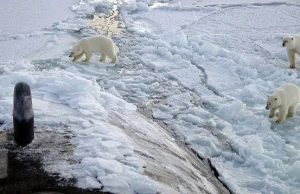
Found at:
(204, 68)
(111, 145)
(227, 56)
(35, 15)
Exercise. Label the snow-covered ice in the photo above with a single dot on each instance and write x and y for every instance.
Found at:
(112, 147)
(215, 62)
(203, 68)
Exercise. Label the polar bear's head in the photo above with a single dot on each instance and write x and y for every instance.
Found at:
(289, 42)
(273, 102)
(76, 50)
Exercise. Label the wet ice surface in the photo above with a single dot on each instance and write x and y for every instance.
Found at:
(108, 23)
(203, 69)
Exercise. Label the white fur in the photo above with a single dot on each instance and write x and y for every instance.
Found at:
(100, 44)
(292, 44)
(286, 99)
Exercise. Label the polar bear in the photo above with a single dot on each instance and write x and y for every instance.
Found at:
(286, 99)
(88, 46)
(292, 44)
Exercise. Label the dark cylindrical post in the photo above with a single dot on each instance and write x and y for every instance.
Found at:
(23, 116)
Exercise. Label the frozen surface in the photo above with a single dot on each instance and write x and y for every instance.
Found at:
(204, 69)
(20, 17)
(94, 136)
(208, 67)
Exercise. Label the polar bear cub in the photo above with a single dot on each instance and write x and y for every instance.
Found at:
(286, 99)
(292, 44)
(100, 44)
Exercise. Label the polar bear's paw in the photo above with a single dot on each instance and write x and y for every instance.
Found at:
(293, 66)
(271, 115)
(279, 120)
(290, 114)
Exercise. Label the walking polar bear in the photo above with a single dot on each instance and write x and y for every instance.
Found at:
(292, 44)
(99, 44)
(286, 99)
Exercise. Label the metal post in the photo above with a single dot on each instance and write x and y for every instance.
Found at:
(23, 117)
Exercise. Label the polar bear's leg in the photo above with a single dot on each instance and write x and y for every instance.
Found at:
(77, 57)
(272, 112)
(292, 110)
(110, 52)
(88, 57)
(103, 57)
(291, 55)
(282, 114)
(113, 59)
